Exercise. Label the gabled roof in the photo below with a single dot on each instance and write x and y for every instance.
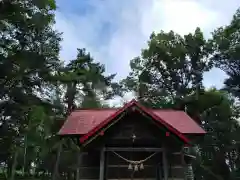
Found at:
(88, 122)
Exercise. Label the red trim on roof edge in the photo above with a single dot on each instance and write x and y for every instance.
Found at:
(102, 124)
(168, 126)
(145, 110)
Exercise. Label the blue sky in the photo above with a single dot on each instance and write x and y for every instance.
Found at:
(115, 31)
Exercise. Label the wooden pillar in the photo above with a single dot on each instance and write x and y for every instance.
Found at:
(79, 162)
(102, 164)
(165, 163)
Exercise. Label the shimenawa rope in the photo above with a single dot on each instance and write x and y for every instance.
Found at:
(134, 162)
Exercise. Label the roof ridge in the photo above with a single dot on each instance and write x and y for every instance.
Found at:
(79, 109)
(100, 109)
(159, 109)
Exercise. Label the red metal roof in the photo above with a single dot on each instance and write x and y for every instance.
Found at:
(82, 121)
(86, 122)
(180, 120)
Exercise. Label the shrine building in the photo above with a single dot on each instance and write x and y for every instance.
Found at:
(132, 142)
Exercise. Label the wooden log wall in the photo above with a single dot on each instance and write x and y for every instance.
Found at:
(116, 168)
(89, 168)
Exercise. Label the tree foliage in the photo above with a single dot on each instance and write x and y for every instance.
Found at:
(171, 67)
(29, 55)
(83, 76)
(227, 52)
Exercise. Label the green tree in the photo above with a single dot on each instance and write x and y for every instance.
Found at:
(217, 114)
(171, 67)
(28, 59)
(90, 100)
(226, 42)
(85, 78)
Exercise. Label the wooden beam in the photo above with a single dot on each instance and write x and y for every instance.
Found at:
(126, 166)
(165, 164)
(133, 149)
(183, 162)
(79, 162)
(102, 164)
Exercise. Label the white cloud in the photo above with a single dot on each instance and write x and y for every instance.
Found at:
(184, 16)
(133, 21)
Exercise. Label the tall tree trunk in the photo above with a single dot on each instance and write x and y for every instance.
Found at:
(220, 166)
(70, 96)
(231, 161)
(55, 174)
(24, 156)
(13, 169)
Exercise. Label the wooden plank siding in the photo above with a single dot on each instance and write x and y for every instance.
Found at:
(117, 168)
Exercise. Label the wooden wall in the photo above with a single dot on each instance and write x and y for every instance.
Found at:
(116, 168)
(90, 165)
